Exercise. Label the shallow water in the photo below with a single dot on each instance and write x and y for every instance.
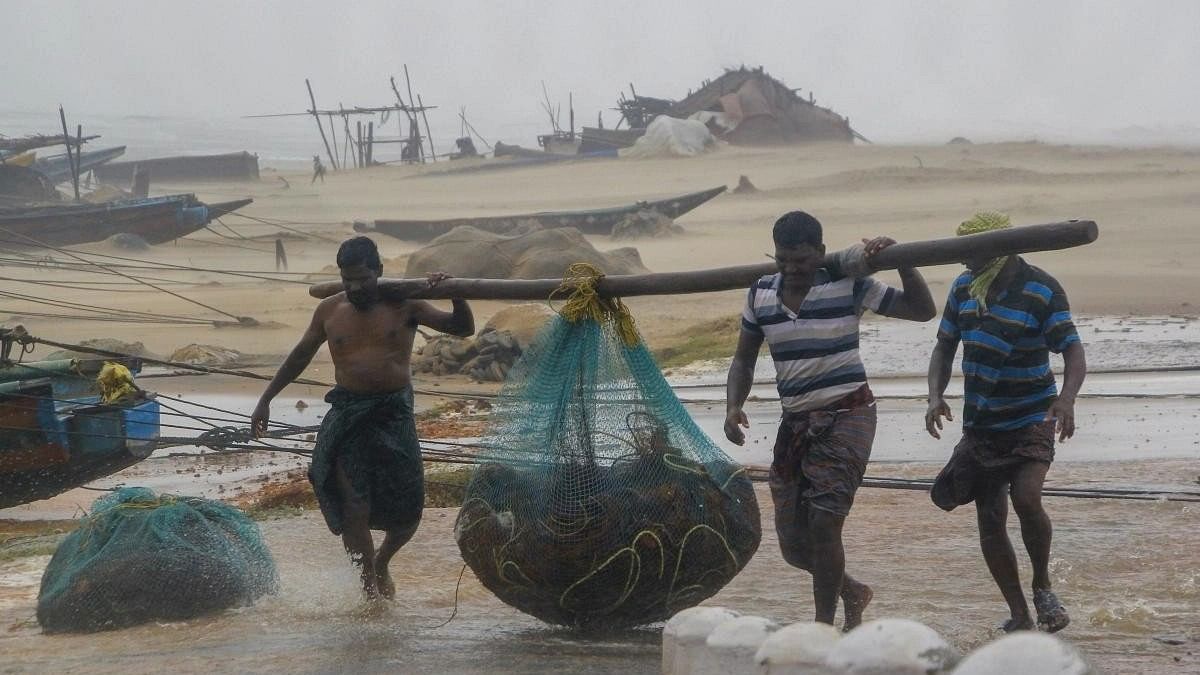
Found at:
(1127, 571)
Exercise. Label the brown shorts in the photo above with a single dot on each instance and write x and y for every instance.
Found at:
(989, 456)
(819, 461)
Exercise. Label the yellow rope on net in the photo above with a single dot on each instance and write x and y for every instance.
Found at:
(584, 302)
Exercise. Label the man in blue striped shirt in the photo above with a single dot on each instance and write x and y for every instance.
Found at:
(1009, 316)
(808, 315)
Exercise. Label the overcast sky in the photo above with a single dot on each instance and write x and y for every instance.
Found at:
(900, 71)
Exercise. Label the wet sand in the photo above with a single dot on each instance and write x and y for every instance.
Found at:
(1127, 571)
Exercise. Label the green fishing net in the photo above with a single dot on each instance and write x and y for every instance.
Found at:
(142, 557)
(598, 502)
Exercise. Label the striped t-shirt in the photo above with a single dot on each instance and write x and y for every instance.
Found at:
(815, 349)
(1008, 383)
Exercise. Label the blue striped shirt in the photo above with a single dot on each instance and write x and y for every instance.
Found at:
(1006, 350)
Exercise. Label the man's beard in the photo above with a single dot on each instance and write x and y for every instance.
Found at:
(361, 302)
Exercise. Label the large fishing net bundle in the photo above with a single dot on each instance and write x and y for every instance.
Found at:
(598, 501)
(142, 557)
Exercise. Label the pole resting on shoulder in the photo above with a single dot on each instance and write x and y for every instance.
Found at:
(952, 250)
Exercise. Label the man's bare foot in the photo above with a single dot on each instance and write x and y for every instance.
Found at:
(387, 588)
(373, 607)
(854, 601)
(1017, 623)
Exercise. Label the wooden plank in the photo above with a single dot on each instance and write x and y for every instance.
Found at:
(1049, 237)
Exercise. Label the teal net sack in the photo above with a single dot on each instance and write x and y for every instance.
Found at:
(598, 502)
(143, 557)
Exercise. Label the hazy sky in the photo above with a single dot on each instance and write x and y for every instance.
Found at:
(900, 71)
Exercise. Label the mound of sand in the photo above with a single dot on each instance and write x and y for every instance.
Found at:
(522, 321)
(206, 355)
(107, 344)
(645, 224)
(544, 254)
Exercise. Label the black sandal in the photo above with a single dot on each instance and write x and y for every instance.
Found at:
(1052, 616)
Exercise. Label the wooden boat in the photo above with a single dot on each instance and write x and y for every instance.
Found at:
(157, 220)
(230, 166)
(595, 221)
(594, 140)
(55, 434)
(58, 167)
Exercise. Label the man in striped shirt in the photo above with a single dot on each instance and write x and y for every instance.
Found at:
(808, 314)
(1009, 316)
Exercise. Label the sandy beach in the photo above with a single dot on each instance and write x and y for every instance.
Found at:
(1128, 570)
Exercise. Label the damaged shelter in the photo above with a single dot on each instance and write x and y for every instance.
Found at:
(745, 106)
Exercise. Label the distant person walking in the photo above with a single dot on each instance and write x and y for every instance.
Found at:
(280, 255)
(318, 170)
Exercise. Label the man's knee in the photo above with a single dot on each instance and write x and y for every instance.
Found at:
(1027, 503)
(825, 527)
(797, 555)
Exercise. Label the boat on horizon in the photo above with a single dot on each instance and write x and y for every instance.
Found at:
(592, 221)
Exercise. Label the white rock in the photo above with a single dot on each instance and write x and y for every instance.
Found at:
(892, 647)
(798, 649)
(684, 636)
(1027, 653)
(731, 646)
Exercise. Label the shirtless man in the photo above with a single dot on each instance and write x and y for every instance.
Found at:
(366, 467)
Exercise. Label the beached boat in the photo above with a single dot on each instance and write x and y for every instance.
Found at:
(157, 220)
(56, 434)
(58, 167)
(230, 166)
(594, 221)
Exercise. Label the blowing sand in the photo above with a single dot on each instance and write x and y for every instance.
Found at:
(1124, 567)
(1143, 263)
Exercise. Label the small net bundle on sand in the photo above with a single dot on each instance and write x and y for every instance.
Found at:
(143, 557)
(599, 503)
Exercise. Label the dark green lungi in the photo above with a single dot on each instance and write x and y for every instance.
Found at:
(374, 439)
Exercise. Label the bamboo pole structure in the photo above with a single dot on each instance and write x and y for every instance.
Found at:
(428, 131)
(1048, 237)
(320, 127)
(414, 122)
(71, 158)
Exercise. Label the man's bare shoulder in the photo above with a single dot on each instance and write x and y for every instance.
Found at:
(329, 305)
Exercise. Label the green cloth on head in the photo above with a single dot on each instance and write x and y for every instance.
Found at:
(981, 281)
(374, 438)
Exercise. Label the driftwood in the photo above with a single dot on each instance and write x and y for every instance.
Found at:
(1016, 240)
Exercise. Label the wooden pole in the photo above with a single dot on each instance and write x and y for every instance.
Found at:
(320, 127)
(333, 135)
(413, 116)
(78, 161)
(346, 126)
(358, 148)
(370, 142)
(62, 115)
(1012, 241)
(428, 131)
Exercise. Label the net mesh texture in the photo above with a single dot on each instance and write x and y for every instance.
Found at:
(598, 502)
(142, 557)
